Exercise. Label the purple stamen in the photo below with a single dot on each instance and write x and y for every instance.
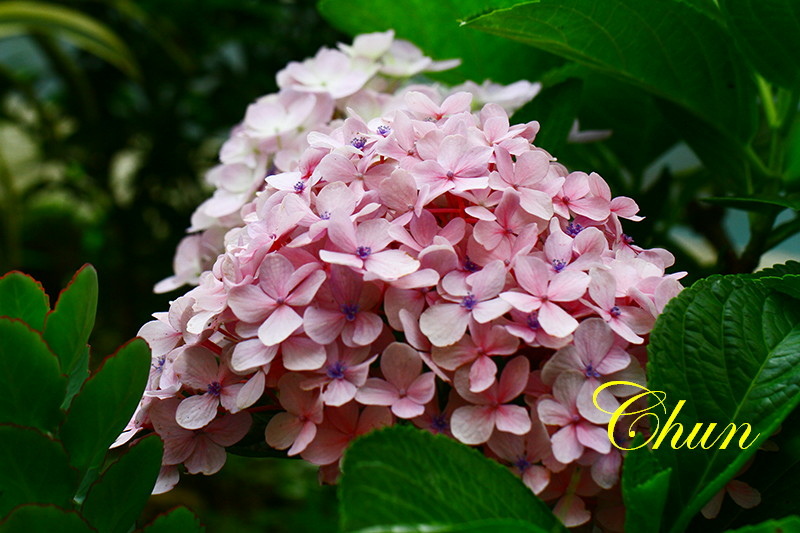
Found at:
(522, 464)
(299, 186)
(439, 424)
(350, 311)
(591, 372)
(615, 311)
(559, 265)
(469, 302)
(469, 266)
(336, 370)
(573, 229)
(383, 131)
(359, 142)
(325, 215)
(214, 388)
(363, 252)
(533, 321)
(627, 239)
(450, 174)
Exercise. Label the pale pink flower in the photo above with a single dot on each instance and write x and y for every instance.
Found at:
(404, 388)
(545, 290)
(476, 350)
(626, 321)
(474, 424)
(344, 372)
(200, 451)
(523, 452)
(364, 249)
(330, 71)
(576, 197)
(445, 323)
(595, 354)
(297, 427)
(280, 289)
(198, 369)
(340, 426)
(425, 109)
(459, 166)
(344, 308)
(576, 432)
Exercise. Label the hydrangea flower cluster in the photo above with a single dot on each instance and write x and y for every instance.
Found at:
(414, 260)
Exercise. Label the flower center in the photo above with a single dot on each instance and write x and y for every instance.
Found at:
(325, 215)
(359, 142)
(350, 311)
(336, 370)
(591, 372)
(383, 131)
(533, 321)
(469, 266)
(522, 464)
(627, 239)
(214, 388)
(363, 252)
(573, 229)
(299, 186)
(469, 302)
(615, 311)
(439, 424)
(559, 265)
(450, 174)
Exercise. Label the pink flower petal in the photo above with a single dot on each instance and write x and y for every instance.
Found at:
(513, 419)
(473, 424)
(377, 392)
(195, 412)
(282, 430)
(444, 324)
(566, 447)
(279, 326)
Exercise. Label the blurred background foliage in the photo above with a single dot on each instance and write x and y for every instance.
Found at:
(110, 111)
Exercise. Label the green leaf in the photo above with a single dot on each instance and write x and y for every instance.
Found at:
(82, 31)
(402, 475)
(665, 47)
(768, 32)
(106, 403)
(644, 489)
(69, 324)
(116, 500)
(787, 284)
(757, 203)
(180, 519)
(729, 347)
(434, 27)
(775, 474)
(41, 518)
(34, 469)
(24, 298)
(496, 525)
(784, 525)
(31, 380)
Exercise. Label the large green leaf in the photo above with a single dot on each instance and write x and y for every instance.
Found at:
(31, 380)
(768, 32)
(729, 347)
(105, 404)
(41, 518)
(80, 30)
(24, 298)
(434, 27)
(402, 475)
(34, 469)
(668, 48)
(644, 490)
(788, 524)
(180, 519)
(69, 324)
(775, 474)
(124, 488)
